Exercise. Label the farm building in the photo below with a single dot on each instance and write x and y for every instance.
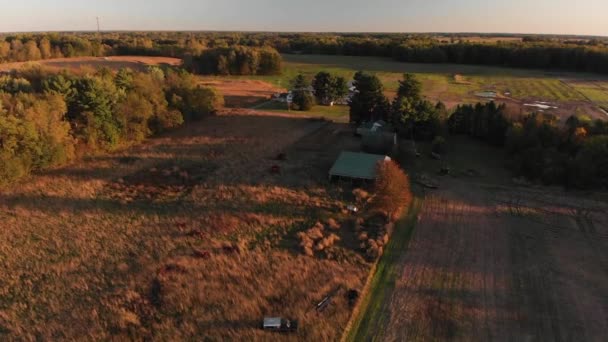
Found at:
(377, 137)
(357, 166)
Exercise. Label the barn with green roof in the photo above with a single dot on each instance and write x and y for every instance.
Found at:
(357, 166)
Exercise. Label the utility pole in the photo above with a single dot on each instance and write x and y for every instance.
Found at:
(98, 29)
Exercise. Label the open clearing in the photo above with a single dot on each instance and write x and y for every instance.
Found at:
(184, 237)
(490, 261)
(257, 94)
(242, 93)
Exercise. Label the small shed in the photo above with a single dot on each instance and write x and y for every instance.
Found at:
(360, 166)
(377, 137)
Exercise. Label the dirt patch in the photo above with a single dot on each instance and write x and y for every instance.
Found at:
(165, 182)
(243, 93)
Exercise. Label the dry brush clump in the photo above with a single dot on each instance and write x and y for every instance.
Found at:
(225, 297)
(373, 235)
(318, 239)
(160, 183)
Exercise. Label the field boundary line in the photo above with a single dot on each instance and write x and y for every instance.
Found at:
(382, 272)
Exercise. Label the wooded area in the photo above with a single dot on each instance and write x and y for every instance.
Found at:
(545, 52)
(47, 119)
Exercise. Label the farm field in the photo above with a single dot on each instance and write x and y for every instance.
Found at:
(80, 63)
(455, 84)
(571, 93)
(187, 236)
(489, 260)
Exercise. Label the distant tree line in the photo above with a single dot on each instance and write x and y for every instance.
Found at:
(237, 60)
(47, 119)
(590, 56)
(546, 52)
(573, 154)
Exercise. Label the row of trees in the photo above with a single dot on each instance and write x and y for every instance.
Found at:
(532, 52)
(574, 153)
(486, 122)
(237, 60)
(47, 119)
(36, 47)
(325, 89)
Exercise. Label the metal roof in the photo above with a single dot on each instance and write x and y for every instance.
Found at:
(357, 165)
(272, 322)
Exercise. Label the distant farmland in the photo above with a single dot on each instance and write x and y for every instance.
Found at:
(454, 84)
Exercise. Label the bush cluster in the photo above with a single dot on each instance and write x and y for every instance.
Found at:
(318, 238)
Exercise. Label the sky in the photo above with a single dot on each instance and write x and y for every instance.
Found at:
(583, 17)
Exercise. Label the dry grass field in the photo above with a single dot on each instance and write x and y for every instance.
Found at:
(492, 261)
(186, 237)
(83, 63)
(189, 236)
(240, 93)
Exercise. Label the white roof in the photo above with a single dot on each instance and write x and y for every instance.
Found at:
(272, 322)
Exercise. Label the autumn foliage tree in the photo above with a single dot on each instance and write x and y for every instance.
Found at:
(392, 190)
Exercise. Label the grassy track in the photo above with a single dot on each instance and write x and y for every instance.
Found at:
(336, 113)
(370, 315)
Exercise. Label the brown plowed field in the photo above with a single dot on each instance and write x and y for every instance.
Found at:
(490, 263)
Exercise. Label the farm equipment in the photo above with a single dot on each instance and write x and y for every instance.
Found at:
(426, 182)
(435, 156)
(444, 171)
(275, 169)
(352, 209)
(323, 304)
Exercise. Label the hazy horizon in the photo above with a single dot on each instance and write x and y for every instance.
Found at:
(557, 17)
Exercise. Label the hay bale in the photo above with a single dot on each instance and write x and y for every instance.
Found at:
(360, 195)
(363, 236)
(333, 224)
(315, 233)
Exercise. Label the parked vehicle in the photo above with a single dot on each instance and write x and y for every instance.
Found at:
(279, 324)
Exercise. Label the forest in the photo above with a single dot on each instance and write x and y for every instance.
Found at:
(48, 119)
(545, 52)
(237, 60)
